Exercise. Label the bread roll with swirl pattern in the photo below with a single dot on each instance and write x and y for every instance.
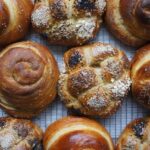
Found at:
(96, 80)
(28, 76)
(141, 76)
(129, 20)
(14, 20)
(135, 136)
(68, 22)
(19, 134)
(72, 133)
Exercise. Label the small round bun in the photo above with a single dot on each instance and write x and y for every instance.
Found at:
(135, 136)
(129, 20)
(68, 22)
(28, 74)
(73, 133)
(15, 18)
(141, 76)
(96, 80)
(18, 134)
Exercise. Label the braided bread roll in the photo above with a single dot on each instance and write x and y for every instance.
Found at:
(129, 20)
(135, 136)
(28, 75)
(19, 134)
(72, 133)
(14, 19)
(96, 80)
(141, 76)
(68, 22)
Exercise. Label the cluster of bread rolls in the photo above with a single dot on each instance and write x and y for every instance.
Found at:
(96, 80)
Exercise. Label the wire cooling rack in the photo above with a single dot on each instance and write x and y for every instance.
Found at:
(115, 124)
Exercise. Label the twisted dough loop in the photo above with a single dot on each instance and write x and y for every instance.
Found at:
(76, 133)
(14, 19)
(68, 22)
(96, 80)
(129, 21)
(28, 80)
(141, 76)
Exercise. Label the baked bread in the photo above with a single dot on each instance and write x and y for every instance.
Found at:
(129, 20)
(141, 76)
(68, 22)
(96, 80)
(17, 134)
(135, 136)
(72, 133)
(15, 18)
(28, 76)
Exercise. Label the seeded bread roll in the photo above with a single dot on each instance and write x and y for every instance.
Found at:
(15, 18)
(140, 74)
(135, 136)
(96, 80)
(129, 21)
(68, 22)
(72, 133)
(17, 134)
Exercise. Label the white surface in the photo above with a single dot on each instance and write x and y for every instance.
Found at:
(129, 110)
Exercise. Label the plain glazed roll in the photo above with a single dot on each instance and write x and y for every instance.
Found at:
(135, 136)
(15, 16)
(28, 76)
(73, 133)
(96, 79)
(140, 74)
(68, 22)
(129, 20)
(18, 134)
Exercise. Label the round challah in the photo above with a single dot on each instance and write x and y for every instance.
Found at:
(96, 80)
(68, 22)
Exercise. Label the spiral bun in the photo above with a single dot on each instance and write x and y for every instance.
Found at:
(72, 133)
(129, 20)
(14, 19)
(141, 76)
(28, 77)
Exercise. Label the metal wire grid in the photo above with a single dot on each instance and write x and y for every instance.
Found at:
(115, 124)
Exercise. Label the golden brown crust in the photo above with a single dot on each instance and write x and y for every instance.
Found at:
(141, 76)
(76, 134)
(18, 134)
(135, 136)
(129, 21)
(14, 20)
(68, 22)
(96, 80)
(28, 81)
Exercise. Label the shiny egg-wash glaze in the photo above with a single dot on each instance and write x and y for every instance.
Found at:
(129, 20)
(28, 81)
(68, 22)
(96, 80)
(15, 18)
(73, 133)
(140, 74)
(18, 134)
